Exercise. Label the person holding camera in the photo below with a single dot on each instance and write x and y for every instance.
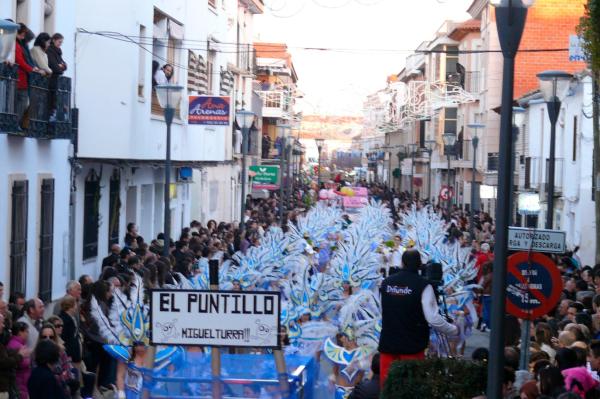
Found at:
(409, 307)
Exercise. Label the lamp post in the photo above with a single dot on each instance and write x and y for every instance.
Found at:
(510, 22)
(429, 146)
(475, 143)
(320, 142)
(412, 148)
(554, 86)
(282, 132)
(169, 97)
(244, 120)
(400, 154)
(8, 34)
(449, 142)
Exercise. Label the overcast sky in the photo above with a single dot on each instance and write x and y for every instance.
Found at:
(337, 82)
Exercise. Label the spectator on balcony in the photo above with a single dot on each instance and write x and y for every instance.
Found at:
(25, 67)
(266, 145)
(163, 75)
(58, 67)
(38, 53)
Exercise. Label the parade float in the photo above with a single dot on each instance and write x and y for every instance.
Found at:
(296, 317)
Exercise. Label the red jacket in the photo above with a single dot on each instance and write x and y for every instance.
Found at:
(24, 68)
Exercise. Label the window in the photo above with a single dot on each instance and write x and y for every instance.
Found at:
(492, 161)
(450, 120)
(18, 236)
(166, 49)
(574, 138)
(142, 64)
(91, 215)
(528, 172)
(114, 209)
(46, 239)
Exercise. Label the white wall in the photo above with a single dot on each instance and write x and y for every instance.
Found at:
(32, 159)
(575, 209)
(216, 194)
(108, 69)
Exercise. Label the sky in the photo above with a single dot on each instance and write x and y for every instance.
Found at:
(337, 82)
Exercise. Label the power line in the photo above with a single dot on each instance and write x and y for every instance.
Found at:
(276, 48)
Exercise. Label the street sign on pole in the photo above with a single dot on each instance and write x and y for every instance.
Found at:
(533, 285)
(536, 240)
(265, 177)
(446, 193)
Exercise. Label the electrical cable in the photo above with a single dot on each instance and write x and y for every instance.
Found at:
(279, 49)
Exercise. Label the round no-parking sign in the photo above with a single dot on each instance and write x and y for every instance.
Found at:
(533, 285)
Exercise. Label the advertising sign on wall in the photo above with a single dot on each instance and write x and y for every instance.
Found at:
(215, 318)
(209, 110)
(265, 177)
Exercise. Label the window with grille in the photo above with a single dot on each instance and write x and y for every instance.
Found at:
(18, 236)
(46, 239)
(114, 210)
(166, 49)
(91, 215)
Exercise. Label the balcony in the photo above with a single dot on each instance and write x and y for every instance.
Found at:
(537, 178)
(254, 6)
(49, 112)
(246, 57)
(276, 104)
(468, 81)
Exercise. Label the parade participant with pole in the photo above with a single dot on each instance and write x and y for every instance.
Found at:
(409, 307)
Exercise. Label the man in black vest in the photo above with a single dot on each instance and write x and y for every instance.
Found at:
(409, 307)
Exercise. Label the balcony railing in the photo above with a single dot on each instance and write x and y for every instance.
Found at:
(276, 103)
(49, 112)
(471, 82)
(245, 57)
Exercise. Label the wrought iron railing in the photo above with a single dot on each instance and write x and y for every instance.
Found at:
(49, 113)
(8, 87)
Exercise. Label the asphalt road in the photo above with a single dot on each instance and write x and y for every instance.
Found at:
(477, 340)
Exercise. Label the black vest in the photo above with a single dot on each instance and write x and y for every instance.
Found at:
(404, 329)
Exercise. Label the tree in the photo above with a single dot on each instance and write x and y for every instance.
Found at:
(589, 31)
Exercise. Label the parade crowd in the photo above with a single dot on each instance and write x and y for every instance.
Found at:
(55, 350)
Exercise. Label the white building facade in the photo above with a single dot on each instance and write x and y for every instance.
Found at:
(112, 172)
(573, 204)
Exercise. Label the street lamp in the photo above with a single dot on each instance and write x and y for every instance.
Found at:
(412, 149)
(429, 146)
(475, 143)
(8, 34)
(510, 22)
(320, 142)
(244, 120)
(282, 133)
(169, 97)
(554, 86)
(449, 142)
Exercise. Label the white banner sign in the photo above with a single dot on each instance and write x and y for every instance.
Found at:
(215, 318)
(536, 240)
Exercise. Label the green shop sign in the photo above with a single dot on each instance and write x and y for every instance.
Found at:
(264, 177)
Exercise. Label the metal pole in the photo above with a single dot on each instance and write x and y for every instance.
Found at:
(412, 175)
(449, 202)
(553, 111)
(429, 177)
(289, 175)
(281, 174)
(525, 341)
(472, 216)
(244, 153)
(510, 22)
(319, 170)
(169, 113)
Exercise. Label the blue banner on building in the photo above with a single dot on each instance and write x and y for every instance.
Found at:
(209, 110)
